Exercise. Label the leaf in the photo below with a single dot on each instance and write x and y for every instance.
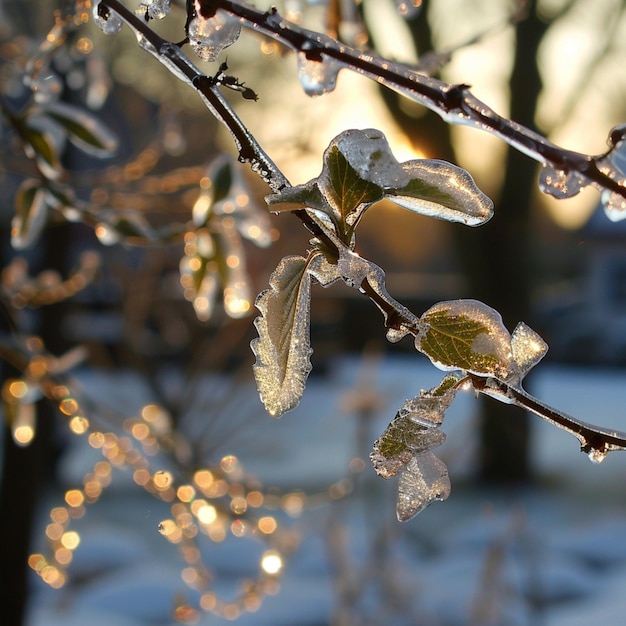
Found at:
(528, 348)
(400, 442)
(424, 480)
(297, 197)
(283, 348)
(40, 145)
(347, 193)
(430, 406)
(442, 190)
(466, 335)
(31, 214)
(85, 130)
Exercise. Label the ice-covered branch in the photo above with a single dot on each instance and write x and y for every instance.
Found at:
(320, 58)
(595, 441)
(457, 105)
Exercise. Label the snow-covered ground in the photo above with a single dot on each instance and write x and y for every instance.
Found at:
(553, 555)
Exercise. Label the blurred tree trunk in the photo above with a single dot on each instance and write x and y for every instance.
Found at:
(27, 469)
(495, 258)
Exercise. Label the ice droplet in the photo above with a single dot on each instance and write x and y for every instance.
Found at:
(104, 18)
(317, 77)
(409, 8)
(396, 334)
(614, 205)
(155, 9)
(614, 165)
(208, 37)
(597, 456)
(560, 183)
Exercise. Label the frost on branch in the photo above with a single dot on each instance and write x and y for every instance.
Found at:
(359, 169)
(405, 448)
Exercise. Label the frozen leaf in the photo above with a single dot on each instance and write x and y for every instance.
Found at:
(208, 36)
(31, 214)
(423, 480)
(401, 441)
(430, 406)
(85, 130)
(324, 272)
(466, 335)
(283, 348)
(528, 348)
(297, 197)
(359, 170)
(442, 190)
(347, 193)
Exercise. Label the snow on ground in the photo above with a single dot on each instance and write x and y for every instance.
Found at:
(554, 555)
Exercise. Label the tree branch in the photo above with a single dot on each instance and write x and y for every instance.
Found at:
(454, 103)
(595, 441)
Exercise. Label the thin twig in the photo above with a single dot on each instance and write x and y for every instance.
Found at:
(595, 441)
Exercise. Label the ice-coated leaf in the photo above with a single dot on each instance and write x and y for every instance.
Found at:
(347, 193)
(466, 335)
(297, 197)
(208, 36)
(442, 190)
(401, 441)
(428, 409)
(422, 481)
(31, 214)
(85, 130)
(528, 348)
(283, 348)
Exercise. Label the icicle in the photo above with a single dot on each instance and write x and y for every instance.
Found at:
(208, 37)
(317, 77)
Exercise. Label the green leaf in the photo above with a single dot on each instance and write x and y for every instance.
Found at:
(31, 214)
(442, 190)
(85, 130)
(345, 190)
(466, 335)
(40, 146)
(400, 442)
(283, 348)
